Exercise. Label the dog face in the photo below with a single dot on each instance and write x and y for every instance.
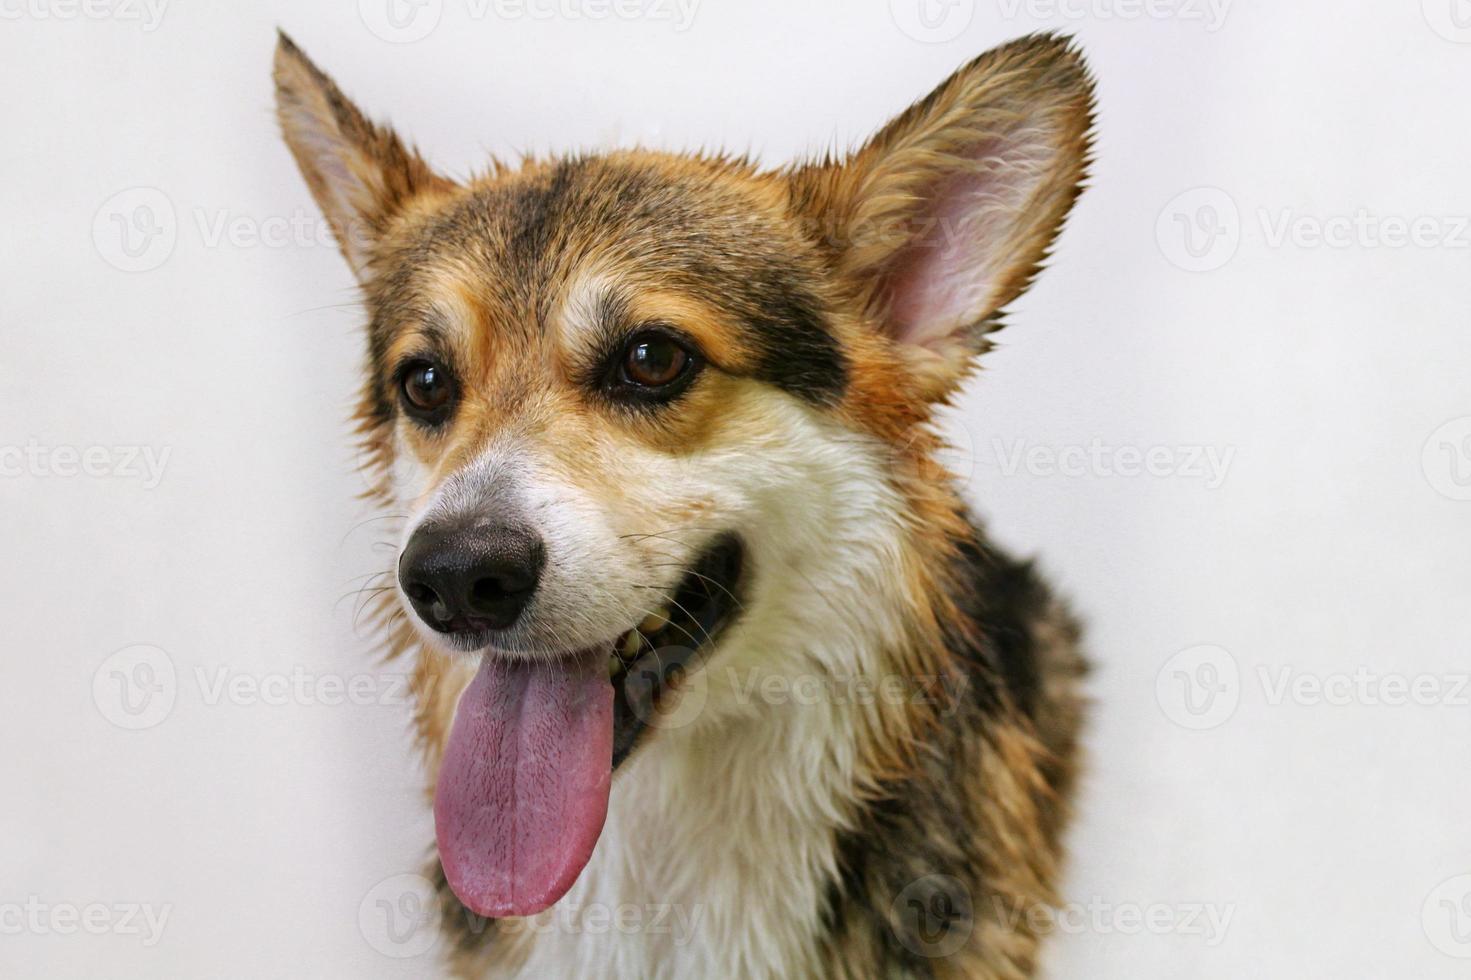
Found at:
(616, 396)
(587, 365)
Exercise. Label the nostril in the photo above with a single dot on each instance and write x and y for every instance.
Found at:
(502, 589)
(486, 590)
(428, 602)
(495, 588)
(420, 592)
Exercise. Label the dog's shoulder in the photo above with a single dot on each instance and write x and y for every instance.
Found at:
(954, 861)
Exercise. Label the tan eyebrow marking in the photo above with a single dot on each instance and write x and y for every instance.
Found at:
(451, 320)
(581, 315)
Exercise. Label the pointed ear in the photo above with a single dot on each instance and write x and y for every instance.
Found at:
(945, 215)
(360, 174)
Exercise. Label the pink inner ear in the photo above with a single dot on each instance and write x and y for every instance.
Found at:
(950, 274)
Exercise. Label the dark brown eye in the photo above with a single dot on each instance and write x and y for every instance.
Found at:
(427, 390)
(653, 360)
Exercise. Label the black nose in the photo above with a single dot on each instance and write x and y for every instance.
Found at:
(471, 579)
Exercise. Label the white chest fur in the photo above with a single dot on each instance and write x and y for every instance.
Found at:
(720, 841)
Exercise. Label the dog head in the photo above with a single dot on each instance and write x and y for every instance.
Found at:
(619, 397)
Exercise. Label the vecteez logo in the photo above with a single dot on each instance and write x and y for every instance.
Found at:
(401, 21)
(1199, 230)
(135, 229)
(1451, 19)
(1446, 917)
(136, 687)
(399, 916)
(932, 21)
(1445, 459)
(1199, 688)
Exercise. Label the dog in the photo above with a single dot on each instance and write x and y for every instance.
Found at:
(715, 672)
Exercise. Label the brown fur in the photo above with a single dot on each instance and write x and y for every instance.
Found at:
(785, 278)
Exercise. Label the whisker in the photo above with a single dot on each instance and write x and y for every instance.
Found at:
(371, 520)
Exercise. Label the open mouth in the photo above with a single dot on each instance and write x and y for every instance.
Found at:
(523, 784)
(653, 657)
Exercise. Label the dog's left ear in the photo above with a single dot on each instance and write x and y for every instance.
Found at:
(361, 174)
(947, 213)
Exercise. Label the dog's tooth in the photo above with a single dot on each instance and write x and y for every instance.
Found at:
(654, 622)
(630, 643)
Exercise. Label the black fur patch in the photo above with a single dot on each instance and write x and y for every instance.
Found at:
(910, 870)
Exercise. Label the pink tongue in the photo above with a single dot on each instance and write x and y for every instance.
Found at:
(523, 788)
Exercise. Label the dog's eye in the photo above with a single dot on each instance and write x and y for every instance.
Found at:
(653, 360)
(427, 391)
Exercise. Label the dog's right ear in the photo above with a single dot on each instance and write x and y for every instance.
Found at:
(360, 174)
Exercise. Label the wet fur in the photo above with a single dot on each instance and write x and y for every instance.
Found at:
(807, 836)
